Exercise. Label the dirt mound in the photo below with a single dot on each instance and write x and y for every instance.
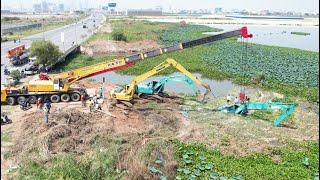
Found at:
(101, 47)
(68, 131)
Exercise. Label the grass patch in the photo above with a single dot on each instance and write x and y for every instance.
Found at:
(197, 161)
(98, 164)
(300, 33)
(133, 30)
(270, 115)
(5, 137)
(78, 61)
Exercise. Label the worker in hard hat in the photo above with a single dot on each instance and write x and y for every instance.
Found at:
(91, 105)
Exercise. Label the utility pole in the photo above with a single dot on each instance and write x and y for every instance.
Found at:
(75, 29)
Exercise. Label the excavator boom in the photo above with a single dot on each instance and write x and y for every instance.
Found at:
(158, 86)
(128, 93)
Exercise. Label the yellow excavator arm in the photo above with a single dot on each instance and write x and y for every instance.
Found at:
(127, 94)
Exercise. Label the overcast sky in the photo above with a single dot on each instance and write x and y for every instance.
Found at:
(283, 5)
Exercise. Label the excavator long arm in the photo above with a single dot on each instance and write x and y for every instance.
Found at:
(177, 79)
(169, 62)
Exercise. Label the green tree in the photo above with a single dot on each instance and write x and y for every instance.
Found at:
(15, 74)
(45, 51)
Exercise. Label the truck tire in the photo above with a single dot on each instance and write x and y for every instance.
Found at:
(55, 98)
(21, 99)
(11, 101)
(75, 97)
(32, 99)
(65, 97)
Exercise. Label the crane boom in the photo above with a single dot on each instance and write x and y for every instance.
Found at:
(123, 62)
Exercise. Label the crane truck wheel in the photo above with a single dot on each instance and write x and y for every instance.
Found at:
(65, 97)
(11, 101)
(55, 98)
(21, 99)
(32, 99)
(75, 97)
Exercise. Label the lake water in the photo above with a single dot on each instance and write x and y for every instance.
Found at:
(280, 36)
(218, 87)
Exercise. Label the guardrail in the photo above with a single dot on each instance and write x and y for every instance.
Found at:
(5, 31)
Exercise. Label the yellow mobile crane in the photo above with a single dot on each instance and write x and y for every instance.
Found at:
(129, 91)
(57, 87)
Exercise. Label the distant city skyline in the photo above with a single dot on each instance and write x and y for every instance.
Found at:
(273, 5)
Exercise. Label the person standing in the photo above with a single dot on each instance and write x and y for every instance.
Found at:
(38, 103)
(48, 105)
(83, 100)
(46, 115)
(90, 105)
(95, 100)
(228, 98)
(236, 100)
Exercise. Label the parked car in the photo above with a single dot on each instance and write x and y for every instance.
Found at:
(84, 26)
(31, 70)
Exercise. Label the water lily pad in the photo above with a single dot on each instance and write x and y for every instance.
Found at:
(202, 158)
(200, 167)
(189, 152)
(235, 178)
(178, 178)
(163, 178)
(154, 170)
(158, 161)
(197, 172)
(185, 156)
(306, 162)
(223, 178)
(209, 166)
(188, 161)
(213, 176)
(191, 178)
(187, 171)
(179, 170)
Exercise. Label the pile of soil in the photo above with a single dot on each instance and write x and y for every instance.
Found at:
(114, 48)
(68, 131)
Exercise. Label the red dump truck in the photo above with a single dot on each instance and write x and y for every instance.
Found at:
(17, 55)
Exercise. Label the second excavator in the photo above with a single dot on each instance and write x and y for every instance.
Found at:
(126, 94)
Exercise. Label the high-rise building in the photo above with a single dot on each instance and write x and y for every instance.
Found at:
(52, 7)
(37, 8)
(45, 7)
(218, 10)
(61, 7)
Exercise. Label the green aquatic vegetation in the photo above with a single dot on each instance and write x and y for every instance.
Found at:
(256, 166)
(300, 33)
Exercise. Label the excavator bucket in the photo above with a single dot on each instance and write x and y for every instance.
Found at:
(201, 97)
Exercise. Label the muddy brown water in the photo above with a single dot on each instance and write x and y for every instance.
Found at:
(218, 87)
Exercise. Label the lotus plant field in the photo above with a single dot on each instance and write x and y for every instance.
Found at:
(289, 66)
